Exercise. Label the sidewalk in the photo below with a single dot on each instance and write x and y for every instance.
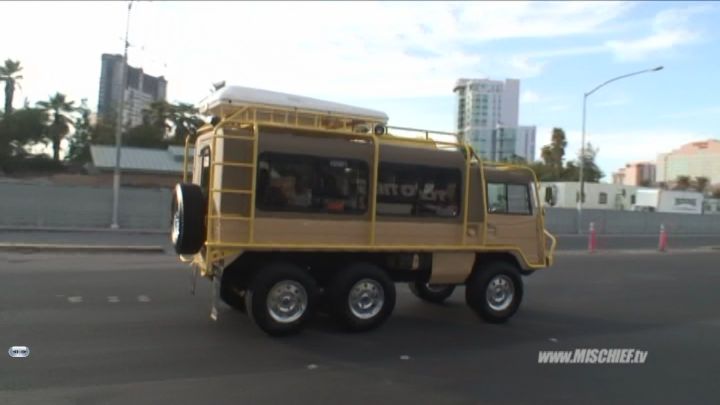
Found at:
(93, 240)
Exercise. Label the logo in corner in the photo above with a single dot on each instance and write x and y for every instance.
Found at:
(19, 351)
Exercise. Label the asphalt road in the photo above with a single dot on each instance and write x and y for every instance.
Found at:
(122, 329)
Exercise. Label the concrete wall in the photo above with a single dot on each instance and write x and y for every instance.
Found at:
(613, 222)
(48, 205)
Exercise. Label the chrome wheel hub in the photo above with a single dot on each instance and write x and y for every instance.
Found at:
(500, 292)
(176, 226)
(287, 301)
(366, 298)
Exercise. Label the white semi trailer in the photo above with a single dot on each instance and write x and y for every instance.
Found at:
(657, 200)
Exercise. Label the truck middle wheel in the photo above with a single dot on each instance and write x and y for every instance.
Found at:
(361, 296)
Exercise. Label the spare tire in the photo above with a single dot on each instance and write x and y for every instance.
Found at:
(188, 219)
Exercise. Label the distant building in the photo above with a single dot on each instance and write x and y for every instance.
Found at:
(503, 143)
(141, 166)
(487, 118)
(636, 174)
(142, 89)
(696, 159)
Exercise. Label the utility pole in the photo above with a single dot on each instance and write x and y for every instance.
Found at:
(119, 126)
(582, 142)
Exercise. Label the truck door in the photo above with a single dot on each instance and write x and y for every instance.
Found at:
(514, 215)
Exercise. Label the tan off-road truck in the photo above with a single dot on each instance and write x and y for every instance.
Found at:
(297, 205)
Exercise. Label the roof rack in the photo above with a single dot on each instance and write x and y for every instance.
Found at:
(244, 106)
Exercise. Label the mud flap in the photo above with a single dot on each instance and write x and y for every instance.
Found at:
(216, 279)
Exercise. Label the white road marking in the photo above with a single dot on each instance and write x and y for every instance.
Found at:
(553, 340)
(143, 298)
(113, 299)
(75, 299)
(404, 357)
(312, 366)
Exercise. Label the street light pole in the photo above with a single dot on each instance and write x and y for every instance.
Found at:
(582, 146)
(119, 126)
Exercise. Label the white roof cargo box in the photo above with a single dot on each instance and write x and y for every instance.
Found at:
(238, 96)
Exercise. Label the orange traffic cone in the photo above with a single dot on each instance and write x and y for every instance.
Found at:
(662, 242)
(592, 238)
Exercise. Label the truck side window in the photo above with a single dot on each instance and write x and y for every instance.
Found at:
(412, 190)
(508, 199)
(301, 183)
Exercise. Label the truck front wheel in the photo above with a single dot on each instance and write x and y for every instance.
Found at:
(361, 296)
(281, 298)
(494, 291)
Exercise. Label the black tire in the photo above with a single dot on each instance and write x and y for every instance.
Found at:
(188, 219)
(375, 281)
(435, 293)
(232, 296)
(498, 307)
(291, 282)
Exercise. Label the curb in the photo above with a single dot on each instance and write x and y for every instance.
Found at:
(80, 248)
(649, 251)
(81, 230)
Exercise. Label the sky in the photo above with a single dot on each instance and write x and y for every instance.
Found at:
(403, 58)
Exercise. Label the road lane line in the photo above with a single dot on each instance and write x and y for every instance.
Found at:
(113, 299)
(143, 298)
(75, 299)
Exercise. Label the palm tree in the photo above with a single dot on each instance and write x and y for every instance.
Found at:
(60, 112)
(701, 183)
(682, 183)
(185, 120)
(9, 74)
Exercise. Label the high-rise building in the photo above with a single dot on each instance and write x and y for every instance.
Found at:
(635, 174)
(696, 159)
(487, 118)
(142, 89)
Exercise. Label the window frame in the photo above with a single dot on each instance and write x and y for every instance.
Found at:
(530, 212)
(422, 179)
(315, 161)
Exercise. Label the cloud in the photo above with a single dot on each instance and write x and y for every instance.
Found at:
(615, 102)
(670, 28)
(529, 97)
(699, 112)
(343, 50)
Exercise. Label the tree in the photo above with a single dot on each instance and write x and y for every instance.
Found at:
(9, 73)
(716, 192)
(20, 128)
(158, 116)
(79, 148)
(701, 183)
(186, 121)
(682, 183)
(553, 154)
(61, 112)
(144, 136)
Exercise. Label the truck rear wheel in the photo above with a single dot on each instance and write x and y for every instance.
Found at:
(361, 296)
(188, 219)
(494, 291)
(435, 293)
(281, 298)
